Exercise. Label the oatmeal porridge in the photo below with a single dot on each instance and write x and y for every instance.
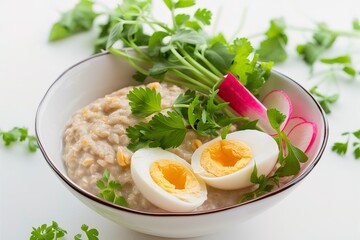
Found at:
(95, 139)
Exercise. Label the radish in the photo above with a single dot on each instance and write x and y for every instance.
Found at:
(247, 105)
(244, 102)
(292, 123)
(303, 135)
(281, 101)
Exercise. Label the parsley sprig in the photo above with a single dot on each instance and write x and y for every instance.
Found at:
(19, 134)
(289, 158)
(265, 185)
(341, 148)
(190, 110)
(45, 232)
(108, 189)
(53, 232)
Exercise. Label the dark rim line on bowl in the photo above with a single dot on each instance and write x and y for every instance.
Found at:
(109, 204)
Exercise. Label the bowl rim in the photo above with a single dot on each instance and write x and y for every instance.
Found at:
(84, 193)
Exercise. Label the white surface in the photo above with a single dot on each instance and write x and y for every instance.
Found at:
(325, 206)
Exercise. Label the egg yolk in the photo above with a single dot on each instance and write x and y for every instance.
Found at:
(224, 157)
(174, 178)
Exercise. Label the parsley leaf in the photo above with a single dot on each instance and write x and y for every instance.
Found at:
(45, 232)
(341, 147)
(166, 131)
(324, 100)
(144, 101)
(92, 234)
(78, 19)
(273, 47)
(161, 131)
(264, 186)
(322, 40)
(108, 190)
(18, 134)
(291, 159)
(203, 15)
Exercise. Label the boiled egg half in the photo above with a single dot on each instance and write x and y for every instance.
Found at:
(228, 163)
(167, 180)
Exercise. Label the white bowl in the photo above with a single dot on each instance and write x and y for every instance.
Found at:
(104, 73)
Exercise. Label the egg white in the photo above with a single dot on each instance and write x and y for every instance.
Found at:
(265, 153)
(140, 171)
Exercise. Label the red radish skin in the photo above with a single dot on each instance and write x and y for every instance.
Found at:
(281, 101)
(244, 102)
(303, 135)
(293, 122)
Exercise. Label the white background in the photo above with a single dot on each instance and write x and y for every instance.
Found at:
(326, 205)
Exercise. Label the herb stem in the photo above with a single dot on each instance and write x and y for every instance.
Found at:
(338, 33)
(180, 106)
(184, 84)
(198, 66)
(121, 54)
(189, 79)
(210, 66)
(195, 71)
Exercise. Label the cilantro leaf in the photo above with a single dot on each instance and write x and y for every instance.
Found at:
(78, 19)
(182, 18)
(249, 72)
(108, 191)
(184, 3)
(203, 15)
(219, 56)
(273, 47)
(322, 40)
(144, 101)
(241, 66)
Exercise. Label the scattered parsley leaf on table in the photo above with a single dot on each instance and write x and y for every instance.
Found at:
(18, 134)
(324, 100)
(273, 47)
(45, 232)
(341, 148)
(91, 234)
(78, 19)
(322, 40)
